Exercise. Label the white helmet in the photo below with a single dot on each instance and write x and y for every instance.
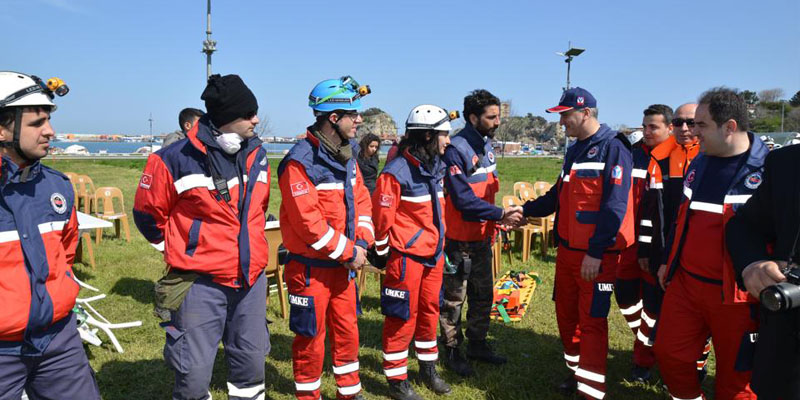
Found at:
(635, 137)
(428, 116)
(20, 90)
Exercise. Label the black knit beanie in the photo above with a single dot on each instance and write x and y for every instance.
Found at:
(228, 98)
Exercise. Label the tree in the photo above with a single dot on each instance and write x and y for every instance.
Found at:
(264, 127)
(795, 101)
(771, 95)
(749, 96)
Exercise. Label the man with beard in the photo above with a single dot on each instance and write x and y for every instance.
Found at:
(471, 183)
(594, 222)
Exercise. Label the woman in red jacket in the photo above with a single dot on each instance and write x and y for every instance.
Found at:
(408, 210)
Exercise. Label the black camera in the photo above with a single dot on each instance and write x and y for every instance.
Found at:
(783, 296)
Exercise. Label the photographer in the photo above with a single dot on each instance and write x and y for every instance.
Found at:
(771, 218)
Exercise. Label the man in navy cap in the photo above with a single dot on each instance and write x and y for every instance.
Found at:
(594, 222)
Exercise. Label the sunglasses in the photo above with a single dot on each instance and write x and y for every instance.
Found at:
(680, 121)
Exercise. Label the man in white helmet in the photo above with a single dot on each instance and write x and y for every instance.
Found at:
(40, 349)
(408, 210)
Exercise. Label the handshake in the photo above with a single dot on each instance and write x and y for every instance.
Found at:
(512, 217)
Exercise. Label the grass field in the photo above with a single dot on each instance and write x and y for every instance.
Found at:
(127, 271)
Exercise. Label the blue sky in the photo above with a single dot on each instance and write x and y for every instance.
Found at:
(126, 59)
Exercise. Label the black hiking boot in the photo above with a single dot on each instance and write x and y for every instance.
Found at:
(454, 362)
(430, 378)
(481, 351)
(640, 374)
(402, 390)
(569, 386)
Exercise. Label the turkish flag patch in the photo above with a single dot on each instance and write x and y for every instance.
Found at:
(616, 175)
(299, 188)
(454, 170)
(386, 200)
(146, 181)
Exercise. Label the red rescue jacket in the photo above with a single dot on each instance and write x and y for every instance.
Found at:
(178, 208)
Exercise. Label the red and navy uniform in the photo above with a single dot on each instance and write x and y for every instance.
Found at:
(472, 184)
(594, 216)
(180, 207)
(325, 212)
(408, 206)
(39, 343)
(179, 210)
(628, 287)
(703, 297)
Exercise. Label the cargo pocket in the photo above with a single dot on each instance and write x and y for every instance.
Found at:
(394, 303)
(747, 348)
(414, 238)
(601, 299)
(302, 315)
(194, 236)
(175, 348)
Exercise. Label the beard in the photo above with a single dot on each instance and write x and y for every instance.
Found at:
(485, 130)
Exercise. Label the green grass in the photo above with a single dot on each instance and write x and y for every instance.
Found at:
(127, 271)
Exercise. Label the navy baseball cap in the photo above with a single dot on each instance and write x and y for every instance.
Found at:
(573, 99)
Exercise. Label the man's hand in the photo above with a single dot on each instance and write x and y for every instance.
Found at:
(512, 216)
(662, 276)
(760, 274)
(590, 267)
(644, 264)
(361, 258)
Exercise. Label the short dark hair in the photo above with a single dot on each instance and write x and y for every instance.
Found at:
(187, 115)
(476, 102)
(725, 104)
(660, 109)
(365, 141)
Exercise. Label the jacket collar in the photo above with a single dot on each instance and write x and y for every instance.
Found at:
(662, 150)
(323, 152)
(13, 173)
(474, 138)
(417, 163)
(201, 136)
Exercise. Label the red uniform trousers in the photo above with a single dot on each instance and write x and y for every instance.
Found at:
(416, 316)
(320, 298)
(582, 314)
(628, 292)
(691, 311)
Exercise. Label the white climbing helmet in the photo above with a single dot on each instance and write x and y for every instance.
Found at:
(427, 116)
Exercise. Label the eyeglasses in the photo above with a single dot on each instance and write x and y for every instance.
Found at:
(352, 115)
(680, 121)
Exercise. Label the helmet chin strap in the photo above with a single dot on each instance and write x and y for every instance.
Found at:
(14, 143)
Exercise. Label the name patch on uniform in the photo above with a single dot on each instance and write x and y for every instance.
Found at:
(605, 287)
(386, 200)
(397, 294)
(753, 180)
(454, 170)
(299, 188)
(146, 181)
(299, 301)
(616, 175)
(592, 152)
(59, 203)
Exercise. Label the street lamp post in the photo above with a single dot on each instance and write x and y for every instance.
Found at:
(568, 55)
(209, 46)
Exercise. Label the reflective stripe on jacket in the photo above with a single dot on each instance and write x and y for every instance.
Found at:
(408, 207)
(179, 210)
(38, 238)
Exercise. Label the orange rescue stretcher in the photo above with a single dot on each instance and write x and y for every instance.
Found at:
(512, 295)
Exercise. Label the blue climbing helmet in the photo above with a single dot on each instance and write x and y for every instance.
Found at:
(337, 94)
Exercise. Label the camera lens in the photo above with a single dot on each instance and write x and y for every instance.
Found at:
(781, 297)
